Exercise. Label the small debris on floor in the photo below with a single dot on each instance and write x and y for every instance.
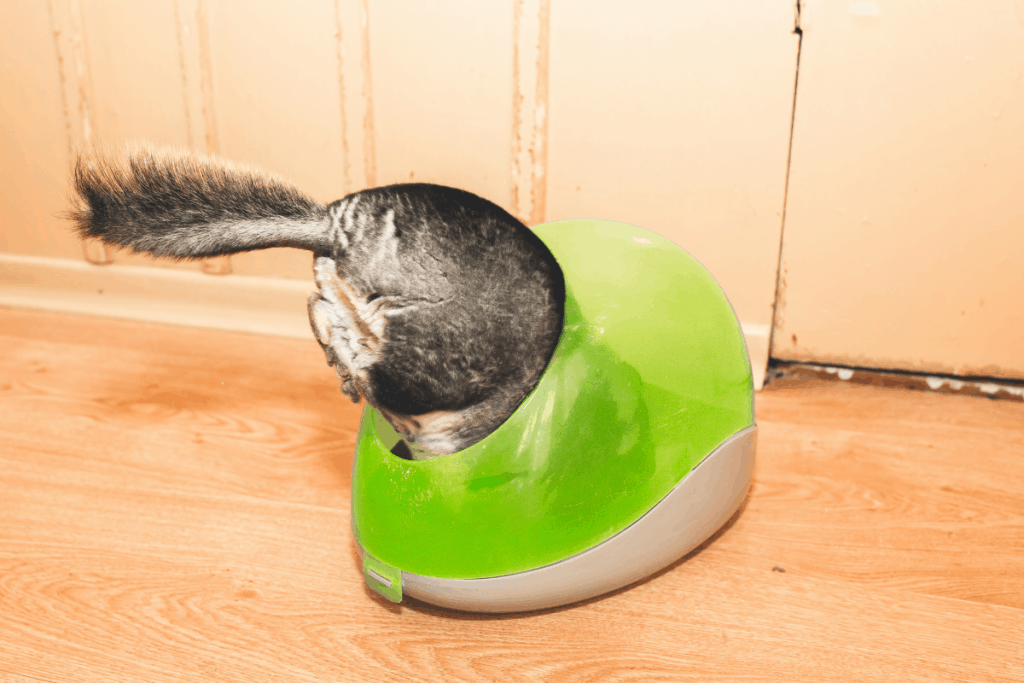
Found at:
(777, 568)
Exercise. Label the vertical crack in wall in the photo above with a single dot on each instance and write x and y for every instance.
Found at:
(58, 36)
(220, 265)
(211, 136)
(539, 180)
(180, 29)
(780, 279)
(68, 28)
(369, 134)
(339, 45)
(517, 109)
(355, 94)
(83, 72)
(530, 56)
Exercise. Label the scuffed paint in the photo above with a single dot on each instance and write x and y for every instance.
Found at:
(865, 9)
(530, 57)
(900, 380)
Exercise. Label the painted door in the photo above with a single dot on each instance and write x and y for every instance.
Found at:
(903, 244)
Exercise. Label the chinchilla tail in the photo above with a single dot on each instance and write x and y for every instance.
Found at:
(185, 206)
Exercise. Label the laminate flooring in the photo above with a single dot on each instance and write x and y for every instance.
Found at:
(174, 506)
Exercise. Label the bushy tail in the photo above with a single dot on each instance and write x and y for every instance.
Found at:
(184, 206)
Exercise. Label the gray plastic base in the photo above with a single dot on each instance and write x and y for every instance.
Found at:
(701, 503)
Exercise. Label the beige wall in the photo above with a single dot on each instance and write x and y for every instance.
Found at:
(903, 236)
(33, 139)
(675, 116)
(672, 118)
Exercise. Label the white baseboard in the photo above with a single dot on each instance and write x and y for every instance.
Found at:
(758, 340)
(240, 303)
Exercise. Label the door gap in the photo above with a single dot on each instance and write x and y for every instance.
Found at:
(779, 279)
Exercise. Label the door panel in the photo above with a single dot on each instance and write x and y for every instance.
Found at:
(904, 235)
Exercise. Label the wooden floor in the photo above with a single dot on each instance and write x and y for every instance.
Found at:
(174, 506)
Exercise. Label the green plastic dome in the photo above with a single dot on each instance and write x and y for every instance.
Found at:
(650, 376)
